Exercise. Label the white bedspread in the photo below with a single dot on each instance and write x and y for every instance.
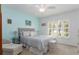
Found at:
(39, 42)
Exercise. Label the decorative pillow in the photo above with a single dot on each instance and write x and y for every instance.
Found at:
(33, 33)
(26, 33)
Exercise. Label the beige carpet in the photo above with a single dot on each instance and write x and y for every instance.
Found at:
(58, 49)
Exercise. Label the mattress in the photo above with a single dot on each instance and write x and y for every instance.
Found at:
(12, 49)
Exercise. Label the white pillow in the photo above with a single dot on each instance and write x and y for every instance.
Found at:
(26, 33)
(33, 33)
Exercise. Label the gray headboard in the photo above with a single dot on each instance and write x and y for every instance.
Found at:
(21, 30)
(26, 29)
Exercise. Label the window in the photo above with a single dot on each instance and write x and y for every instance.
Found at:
(58, 28)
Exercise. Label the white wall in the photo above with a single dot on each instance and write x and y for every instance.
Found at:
(73, 18)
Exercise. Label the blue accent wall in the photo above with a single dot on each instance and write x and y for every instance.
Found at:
(18, 20)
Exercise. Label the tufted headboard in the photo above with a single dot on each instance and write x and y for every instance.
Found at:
(27, 30)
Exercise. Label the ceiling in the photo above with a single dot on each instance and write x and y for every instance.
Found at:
(33, 10)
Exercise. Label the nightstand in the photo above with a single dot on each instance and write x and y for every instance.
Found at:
(52, 45)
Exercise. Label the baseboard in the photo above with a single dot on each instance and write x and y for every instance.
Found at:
(67, 44)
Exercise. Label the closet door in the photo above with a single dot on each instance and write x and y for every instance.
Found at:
(0, 31)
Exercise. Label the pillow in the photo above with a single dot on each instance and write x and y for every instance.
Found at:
(26, 33)
(33, 33)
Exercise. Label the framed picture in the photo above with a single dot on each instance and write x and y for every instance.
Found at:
(28, 22)
(9, 21)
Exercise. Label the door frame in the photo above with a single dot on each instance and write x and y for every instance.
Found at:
(0, 31)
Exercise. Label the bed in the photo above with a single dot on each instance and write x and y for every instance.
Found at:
(37, 43)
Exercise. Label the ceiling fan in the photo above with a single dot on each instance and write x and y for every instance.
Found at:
(44, 7)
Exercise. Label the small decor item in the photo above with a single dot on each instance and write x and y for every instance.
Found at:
(9, 21)
(27, 22)
(15, 38)
(43, 24)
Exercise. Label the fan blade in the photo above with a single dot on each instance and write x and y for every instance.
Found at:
(51, 7)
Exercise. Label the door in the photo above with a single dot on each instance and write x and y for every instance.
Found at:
(0, 31)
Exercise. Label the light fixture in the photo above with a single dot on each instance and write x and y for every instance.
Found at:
(42, 9)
